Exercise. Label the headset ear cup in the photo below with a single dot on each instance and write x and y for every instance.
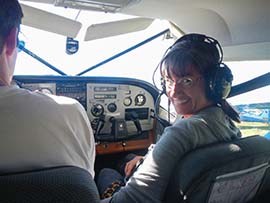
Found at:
(220, 85)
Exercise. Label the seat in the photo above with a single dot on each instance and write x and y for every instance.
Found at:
(59, 184)
(235, 171)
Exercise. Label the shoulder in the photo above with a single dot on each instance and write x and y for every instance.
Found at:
(62, 100)
(189, 124)
(193, 126)
(53, 100)
(66, 104)
(210, 113)
(179, 138)
(182, 130)
(44, 101)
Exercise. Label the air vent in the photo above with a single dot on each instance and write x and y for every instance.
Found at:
(111, 6)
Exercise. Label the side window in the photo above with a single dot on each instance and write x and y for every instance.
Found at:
(255, 117)
(253, 106)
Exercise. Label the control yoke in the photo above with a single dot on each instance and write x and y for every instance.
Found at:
(100, 124)
(119, 129)
(135, 118)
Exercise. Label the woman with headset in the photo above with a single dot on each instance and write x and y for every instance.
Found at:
(197, 84)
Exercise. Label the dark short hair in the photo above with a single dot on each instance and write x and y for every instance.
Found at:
(10, 17)
(204, 57)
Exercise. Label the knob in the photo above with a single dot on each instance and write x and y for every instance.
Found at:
(127, 101)
(97, 110)
(112, 107)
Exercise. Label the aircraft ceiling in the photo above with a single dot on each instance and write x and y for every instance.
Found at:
(242, 26)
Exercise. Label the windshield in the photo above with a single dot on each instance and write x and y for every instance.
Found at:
(139, 63)
(52, 48)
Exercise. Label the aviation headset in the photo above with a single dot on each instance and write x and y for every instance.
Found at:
(220, 80)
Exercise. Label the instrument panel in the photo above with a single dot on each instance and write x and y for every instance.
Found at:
(118, 108)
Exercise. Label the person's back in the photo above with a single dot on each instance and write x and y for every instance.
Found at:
(37, 130)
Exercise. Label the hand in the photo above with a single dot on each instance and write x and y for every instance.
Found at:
(107, 200)
(131, 164)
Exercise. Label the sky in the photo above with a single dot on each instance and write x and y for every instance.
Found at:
(140, 63)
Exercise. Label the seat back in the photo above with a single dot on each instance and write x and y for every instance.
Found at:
(59, 184)
(237, 171)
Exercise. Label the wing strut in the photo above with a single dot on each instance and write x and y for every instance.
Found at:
(255, 83)
(123, 52)
(40, 59)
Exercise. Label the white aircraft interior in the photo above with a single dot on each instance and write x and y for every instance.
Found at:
(241, 27)
(122, 111)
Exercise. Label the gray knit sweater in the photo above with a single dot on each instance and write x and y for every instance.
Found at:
(149, 182)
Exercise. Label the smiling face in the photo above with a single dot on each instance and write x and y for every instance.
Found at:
(187, 93)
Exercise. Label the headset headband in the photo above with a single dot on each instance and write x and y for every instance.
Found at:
(193, 37)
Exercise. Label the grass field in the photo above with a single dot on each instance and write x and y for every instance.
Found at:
(254, 128)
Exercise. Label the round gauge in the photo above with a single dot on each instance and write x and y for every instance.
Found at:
(140, 100)
(46, 91)
(127, 101)
(97, 110)
(112, 107)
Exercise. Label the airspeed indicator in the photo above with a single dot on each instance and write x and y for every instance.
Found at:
(140, 100)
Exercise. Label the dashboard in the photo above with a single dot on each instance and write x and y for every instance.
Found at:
(120, 110)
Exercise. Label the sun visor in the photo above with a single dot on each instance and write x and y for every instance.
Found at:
(103, 30)
(50, 22)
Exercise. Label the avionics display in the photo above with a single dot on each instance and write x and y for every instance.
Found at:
(105, 89)
(104, 96)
